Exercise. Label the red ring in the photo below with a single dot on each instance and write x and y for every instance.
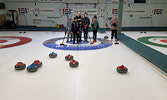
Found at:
(3, 41)
(23, 40)
(165, 41)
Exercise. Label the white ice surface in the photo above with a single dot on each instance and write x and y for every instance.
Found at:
(136, 35)
(95, 78)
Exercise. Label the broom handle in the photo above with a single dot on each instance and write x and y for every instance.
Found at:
(64, 36)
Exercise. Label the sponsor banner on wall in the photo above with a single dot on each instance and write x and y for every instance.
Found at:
(47, 10)
(134, 11)
(89, 11)
(114, 11)
(130, 11)
(160, 11)
(23, 10)
(66, 11)
(42, 10)
(34, 0)
(55, 0)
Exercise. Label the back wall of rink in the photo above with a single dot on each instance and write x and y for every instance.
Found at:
(49, 13)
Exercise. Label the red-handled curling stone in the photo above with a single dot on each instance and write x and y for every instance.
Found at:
(74, 63)
(69, 57)
(105, 37)
(37, 63)
(20, 66)
(122, 69)
(116, 42)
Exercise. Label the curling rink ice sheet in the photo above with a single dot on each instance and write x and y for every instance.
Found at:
(155, 38)
(95, 78)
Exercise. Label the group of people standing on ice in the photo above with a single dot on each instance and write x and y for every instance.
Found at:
(79, 24)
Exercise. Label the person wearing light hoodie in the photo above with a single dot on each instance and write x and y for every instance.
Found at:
(114, 22)
(69, 32)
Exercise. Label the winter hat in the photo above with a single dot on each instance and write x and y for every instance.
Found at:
(85, 13)
(95, 16)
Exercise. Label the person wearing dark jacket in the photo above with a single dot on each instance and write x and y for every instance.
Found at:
(79, 18)
(75, 30)
(85, 24)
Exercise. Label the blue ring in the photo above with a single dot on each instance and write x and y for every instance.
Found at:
(51, 43)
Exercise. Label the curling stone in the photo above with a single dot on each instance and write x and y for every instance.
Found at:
(32, 68)
(105, 37)
(116, 42)
(69, 57)
(20, 66)
(37, 63)
(53, 55)
(122, 69)
(74, 63)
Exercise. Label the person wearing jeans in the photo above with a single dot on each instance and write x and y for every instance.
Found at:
(85, 24)
(69, 33)
(114, 22)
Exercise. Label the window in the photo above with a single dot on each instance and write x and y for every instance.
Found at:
(2, 5)
(139, 1)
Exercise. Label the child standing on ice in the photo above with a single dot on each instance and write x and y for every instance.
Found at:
(114, 27)
(95, 27)
(75, 30)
